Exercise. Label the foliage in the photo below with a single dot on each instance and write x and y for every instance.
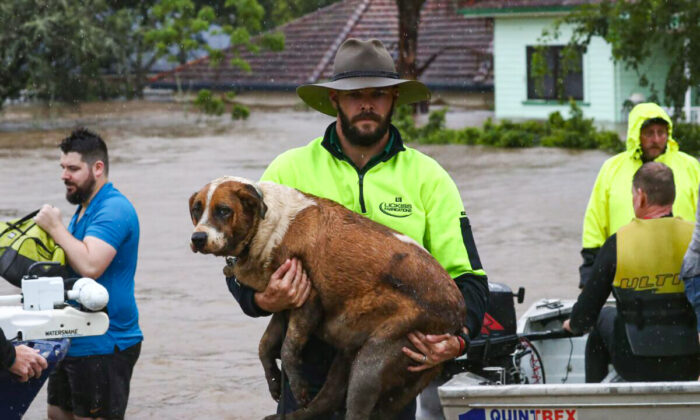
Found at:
(688, 137)
(215, 104)
(403, 121)
(576, 132)
(72, 50)
(182, 25)
(127, 24)
(179, 24)
(55, 49)
(240, 112)
(177, 29)
(208, 103)
(638, 32)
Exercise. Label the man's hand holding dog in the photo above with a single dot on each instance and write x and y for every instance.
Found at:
(432, 349)
(289, 287)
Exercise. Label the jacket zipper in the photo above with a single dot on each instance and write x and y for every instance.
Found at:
(362, 197)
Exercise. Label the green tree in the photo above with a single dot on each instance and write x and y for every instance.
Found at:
(129, 23)
(176, 28)
(73, 50)
(639, 31)
(56, 49)
(179, 28)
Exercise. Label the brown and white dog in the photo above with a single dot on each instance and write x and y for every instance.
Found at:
(371, 287)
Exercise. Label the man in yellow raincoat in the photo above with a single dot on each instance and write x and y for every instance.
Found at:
(649, 138)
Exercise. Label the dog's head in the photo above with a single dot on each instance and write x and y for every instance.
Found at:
(226, 213)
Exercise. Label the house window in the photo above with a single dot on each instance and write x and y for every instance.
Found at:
(562, 81)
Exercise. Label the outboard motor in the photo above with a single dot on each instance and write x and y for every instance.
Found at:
(490, 354)
(499, 320)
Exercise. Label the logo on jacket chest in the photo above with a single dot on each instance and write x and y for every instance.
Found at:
(396, 208)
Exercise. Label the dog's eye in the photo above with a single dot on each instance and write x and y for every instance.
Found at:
(222, 211)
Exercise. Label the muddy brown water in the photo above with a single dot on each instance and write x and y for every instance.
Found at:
(199, 358)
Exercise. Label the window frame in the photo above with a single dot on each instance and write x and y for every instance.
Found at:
(551, 93)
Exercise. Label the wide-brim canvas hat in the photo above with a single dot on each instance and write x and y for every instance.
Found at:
(359, 65)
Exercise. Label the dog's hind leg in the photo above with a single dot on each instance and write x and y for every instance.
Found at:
(371, 374)
(269, 350)
(391, 403)
(331, 395)
(303, 322)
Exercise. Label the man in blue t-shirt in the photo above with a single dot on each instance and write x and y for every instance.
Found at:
(101, 242)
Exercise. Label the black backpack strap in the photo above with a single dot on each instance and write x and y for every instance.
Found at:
(27, 217)
(20, 221)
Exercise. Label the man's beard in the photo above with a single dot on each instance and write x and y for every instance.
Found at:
(358, 138)
(82, 192)
(651, 155)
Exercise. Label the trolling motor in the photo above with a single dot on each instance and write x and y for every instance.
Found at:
(41, 318)
(495, 354)
(41, 310)
(502, 355)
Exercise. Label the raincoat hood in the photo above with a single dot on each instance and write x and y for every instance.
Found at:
(610, 206)
(637, 117)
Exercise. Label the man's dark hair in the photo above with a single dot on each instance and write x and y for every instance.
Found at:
(89, 145)
(650, 121)
(656, 180)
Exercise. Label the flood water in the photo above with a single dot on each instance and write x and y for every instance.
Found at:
(199, 358)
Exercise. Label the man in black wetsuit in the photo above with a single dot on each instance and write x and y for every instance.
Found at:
(650, 335)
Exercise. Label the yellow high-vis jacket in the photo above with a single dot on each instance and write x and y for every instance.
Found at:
(402, 189)
(610, 204)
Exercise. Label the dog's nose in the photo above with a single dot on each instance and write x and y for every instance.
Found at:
(199, 239)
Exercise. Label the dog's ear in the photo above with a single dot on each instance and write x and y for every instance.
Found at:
(252, 198)
(192, 197)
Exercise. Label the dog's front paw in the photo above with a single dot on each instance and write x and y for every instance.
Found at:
(228, 268)
(274, 381)
(228, 271)
(275, 389)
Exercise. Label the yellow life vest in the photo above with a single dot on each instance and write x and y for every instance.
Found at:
(659, 320)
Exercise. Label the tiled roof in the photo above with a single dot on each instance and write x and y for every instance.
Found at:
(458, 50)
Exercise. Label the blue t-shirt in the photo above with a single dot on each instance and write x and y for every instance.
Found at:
(111, 218)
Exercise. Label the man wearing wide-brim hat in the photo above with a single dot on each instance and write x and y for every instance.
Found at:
(362, 163)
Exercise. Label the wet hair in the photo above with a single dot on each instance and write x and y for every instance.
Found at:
(656, 180)
(651, 121)
(89, 145)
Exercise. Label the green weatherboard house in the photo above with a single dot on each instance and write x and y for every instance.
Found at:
(601, 87)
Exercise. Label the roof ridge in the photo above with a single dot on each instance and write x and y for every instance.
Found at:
(331, 51)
